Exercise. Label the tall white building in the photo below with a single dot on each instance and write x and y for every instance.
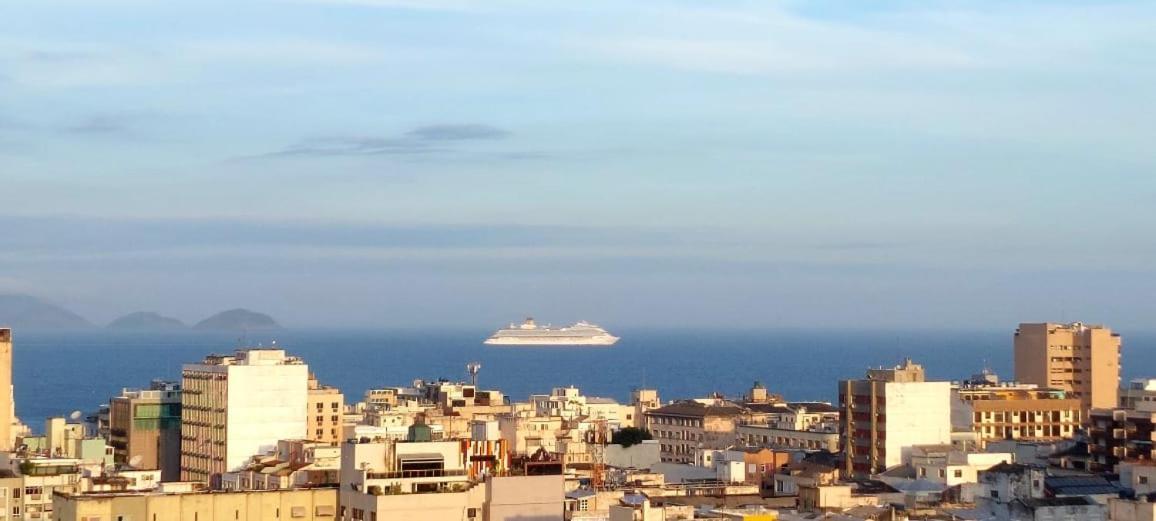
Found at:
(233, 407)
(888, 413)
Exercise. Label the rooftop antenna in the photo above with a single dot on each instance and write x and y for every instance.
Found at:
(135, 461)
(472, 369)
(75, 415)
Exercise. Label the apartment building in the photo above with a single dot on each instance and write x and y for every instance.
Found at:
(758, 435)
(1121, 435)
(233, 407)
(1137, 392)
(1080, 359)
(145, 428)
(443, 480)
(889, 412)
(684, 426)
(325, 409)
(27, 490)
(1014, 411)
(307, 504)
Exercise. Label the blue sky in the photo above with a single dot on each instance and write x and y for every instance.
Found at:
(407, 162)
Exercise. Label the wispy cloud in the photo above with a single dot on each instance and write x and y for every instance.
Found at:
(102, 124)
(420, 140)
(418, 5)
(456, 132)
(68, 235)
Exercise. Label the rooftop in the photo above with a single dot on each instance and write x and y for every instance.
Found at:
(697, 410)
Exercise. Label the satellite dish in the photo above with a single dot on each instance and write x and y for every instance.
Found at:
(75, 415)
(135, 460)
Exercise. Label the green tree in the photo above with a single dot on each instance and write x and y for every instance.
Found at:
(630, 436)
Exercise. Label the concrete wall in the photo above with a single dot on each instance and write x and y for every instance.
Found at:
(525, 498)
(640, 456)
(266, 403)
(917, 413)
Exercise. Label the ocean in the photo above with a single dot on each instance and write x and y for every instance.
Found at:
(56, 373)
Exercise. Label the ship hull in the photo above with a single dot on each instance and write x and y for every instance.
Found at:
(598, 341)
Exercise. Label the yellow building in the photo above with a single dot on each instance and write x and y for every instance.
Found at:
(1081, 359)
(316, 504)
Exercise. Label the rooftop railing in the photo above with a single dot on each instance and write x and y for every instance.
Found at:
(424, 473)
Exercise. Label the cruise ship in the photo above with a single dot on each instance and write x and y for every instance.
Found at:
(531, 334)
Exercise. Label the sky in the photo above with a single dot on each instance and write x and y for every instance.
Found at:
(410, 163)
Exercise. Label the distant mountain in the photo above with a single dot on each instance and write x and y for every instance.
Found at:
(237, 320)
(25, 311)
(146, 320)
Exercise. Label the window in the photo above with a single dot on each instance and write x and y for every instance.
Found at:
(297, 512)
(995, 494)
(958, 473)
(1143, 480)
(471, 513)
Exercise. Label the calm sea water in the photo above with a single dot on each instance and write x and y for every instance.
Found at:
(58, 372)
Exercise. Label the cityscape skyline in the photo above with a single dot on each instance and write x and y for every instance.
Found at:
(379, 163)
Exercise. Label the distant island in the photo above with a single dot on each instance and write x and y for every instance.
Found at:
(21, 311)
(146, 320)
(238, 320)
(26, 311)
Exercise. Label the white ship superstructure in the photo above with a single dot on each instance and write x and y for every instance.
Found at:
(531, 334)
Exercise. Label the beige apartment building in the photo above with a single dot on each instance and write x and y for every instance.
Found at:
(325, 407)
(1013, 411)
(310, 504)
(7, 403)
(145, 428)
(1080, 359)
(682, 427)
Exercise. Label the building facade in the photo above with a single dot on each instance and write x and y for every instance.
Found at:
(1119, 435)
(777, 438)
(312, 504)
(1137, 392)
(682, 427)
(888, 413)
(7, 402)
(1081, 359)
(145, 428)
(233, 407)
(325, 408)
(1010, 411)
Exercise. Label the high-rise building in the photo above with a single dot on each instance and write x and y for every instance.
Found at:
(1080, 359)
(7, 403)
(145, 428)
(233, 407)
(325, 408)
(888, 413)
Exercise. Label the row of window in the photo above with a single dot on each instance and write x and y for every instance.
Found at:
(667, 420)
